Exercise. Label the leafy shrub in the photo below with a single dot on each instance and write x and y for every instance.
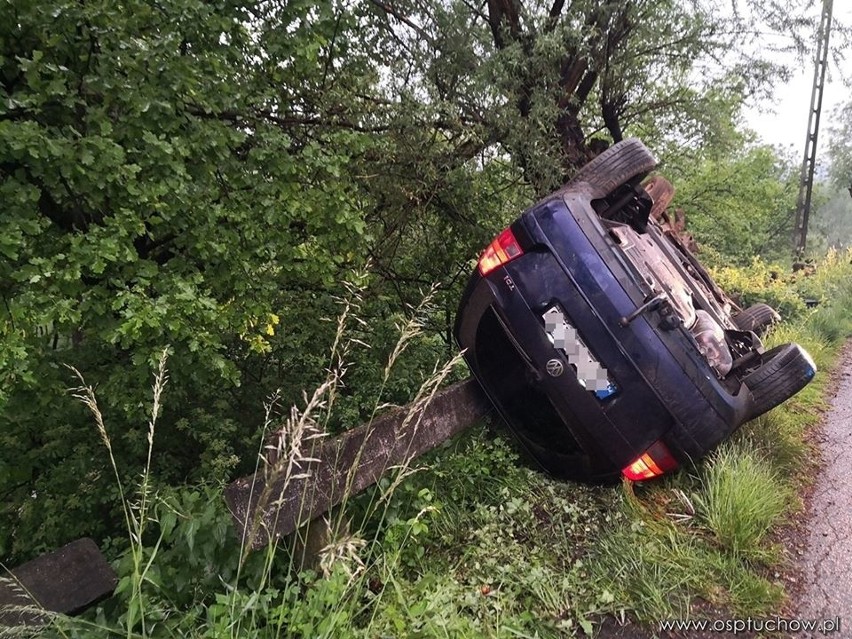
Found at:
(761, 282)
(828, 280)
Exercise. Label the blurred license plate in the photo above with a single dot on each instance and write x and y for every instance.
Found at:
(590, 373)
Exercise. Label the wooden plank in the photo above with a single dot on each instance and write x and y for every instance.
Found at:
(67, 581)
(356, 459)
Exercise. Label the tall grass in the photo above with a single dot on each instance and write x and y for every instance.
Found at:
(740, 498)
(311, 585)
(136, 509)
(343, 554)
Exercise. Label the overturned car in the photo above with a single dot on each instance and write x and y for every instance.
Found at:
(604, 343)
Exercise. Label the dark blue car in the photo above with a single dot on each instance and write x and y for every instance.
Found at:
(604, 343)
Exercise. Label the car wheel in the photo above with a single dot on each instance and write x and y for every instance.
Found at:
(621, 162)
(787, 369)
(756, 318)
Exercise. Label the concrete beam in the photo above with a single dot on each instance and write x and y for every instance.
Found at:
(66, 581)
(351, 462)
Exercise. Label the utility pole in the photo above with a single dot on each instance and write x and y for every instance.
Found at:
(806, 181)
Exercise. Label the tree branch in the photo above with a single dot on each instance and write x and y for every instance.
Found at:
(390, 10)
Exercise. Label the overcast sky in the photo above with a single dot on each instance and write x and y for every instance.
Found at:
(785, 123)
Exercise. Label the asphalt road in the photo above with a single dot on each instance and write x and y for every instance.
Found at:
(826, 563)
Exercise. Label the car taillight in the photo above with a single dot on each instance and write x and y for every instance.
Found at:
(656, 461)
(502, 250)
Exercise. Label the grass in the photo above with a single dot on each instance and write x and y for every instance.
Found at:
(740, 498)
(467, 541)
(136, 511)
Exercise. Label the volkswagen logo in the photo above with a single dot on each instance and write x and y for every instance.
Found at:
(554, 367)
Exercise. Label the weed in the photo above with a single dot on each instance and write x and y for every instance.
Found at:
(654, 568)
(137, 513)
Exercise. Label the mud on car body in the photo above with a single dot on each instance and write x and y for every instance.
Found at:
(602, 340)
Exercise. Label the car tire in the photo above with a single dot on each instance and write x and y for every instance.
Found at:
(621, 162)
(787, 369)
(757, 318)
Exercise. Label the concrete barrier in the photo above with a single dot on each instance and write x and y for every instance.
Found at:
(351, 462)
(66, 581)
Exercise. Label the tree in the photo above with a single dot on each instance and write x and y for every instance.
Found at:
(839, 140)
(740, 204)
(170, 174)
(540, 81)
(832, 220)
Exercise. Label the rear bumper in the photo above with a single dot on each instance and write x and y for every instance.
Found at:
(665, 389)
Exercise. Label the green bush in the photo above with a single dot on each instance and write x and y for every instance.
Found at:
(761, 282)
